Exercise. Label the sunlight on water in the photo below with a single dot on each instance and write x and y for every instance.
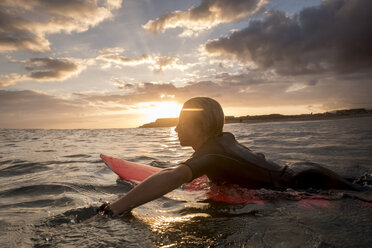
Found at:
(50, 180)
(173, 135)
(161, 224)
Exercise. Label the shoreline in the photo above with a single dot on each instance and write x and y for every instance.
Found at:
(337, 115)
(302, 119)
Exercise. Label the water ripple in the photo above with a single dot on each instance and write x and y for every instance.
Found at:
(35, 190)
(21, 168)
(53, 179)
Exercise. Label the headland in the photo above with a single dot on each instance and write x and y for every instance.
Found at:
(337, 114)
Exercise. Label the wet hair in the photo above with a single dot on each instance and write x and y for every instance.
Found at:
(209, 113)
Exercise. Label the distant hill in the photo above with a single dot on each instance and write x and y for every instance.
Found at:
(162, 122)
(337, 114)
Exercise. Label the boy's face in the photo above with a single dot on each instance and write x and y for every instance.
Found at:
(190, 131)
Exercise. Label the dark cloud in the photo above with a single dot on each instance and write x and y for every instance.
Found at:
(45, 69)
(333, 37)
(51, 69)
(251, 78)
(15, 35)
(208, 14)
(25, 24)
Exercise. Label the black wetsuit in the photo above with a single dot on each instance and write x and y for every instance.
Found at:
(225, 161)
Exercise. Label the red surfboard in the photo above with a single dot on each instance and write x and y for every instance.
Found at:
(136, 173)
(129, 171)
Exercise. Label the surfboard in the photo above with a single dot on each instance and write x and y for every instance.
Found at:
(129, 171)
(136, 173)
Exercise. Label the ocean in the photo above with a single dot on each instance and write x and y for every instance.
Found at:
(51, 180)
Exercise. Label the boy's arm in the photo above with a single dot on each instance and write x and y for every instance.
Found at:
(152, 188)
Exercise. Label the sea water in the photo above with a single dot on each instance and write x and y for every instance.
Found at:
(51, 180)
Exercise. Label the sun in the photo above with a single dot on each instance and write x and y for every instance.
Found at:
(155, 110)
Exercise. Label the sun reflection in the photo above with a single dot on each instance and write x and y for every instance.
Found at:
(173, 136)
(160, 224)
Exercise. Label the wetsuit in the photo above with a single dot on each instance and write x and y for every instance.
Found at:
(226, 161)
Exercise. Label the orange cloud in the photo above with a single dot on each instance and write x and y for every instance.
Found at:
(156, 63)
(9, 79)
(208, 14)
(252, 90)
(25, 24)
(32, 109)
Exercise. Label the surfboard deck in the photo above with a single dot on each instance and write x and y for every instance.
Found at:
(129, 171)
(136, 173)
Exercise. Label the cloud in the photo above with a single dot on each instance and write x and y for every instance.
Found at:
(333, 37)
(134, 93)
(21, 102)
(122, 84)
(252, 78)
(111, 50)
(32, 109)
(161, 63)
(156, 63)
(230, 94)
(9, 79)
(208, 14)
(260, 91)
(45, 69)
(25, 24)
(122, 60)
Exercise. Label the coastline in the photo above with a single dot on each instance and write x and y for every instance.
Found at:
(335, 115)
(302, 119)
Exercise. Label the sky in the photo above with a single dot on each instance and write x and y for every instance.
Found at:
(123, 63)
